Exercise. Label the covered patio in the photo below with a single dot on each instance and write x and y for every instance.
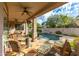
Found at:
(24, 13)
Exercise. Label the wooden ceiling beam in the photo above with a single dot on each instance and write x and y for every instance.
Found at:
(7, 10)
(46, 8)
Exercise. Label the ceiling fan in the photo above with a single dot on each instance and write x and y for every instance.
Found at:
(25, 10)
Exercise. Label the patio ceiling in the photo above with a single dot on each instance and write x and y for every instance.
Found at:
(14, 10)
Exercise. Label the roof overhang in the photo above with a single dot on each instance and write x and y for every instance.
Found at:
(13, 10)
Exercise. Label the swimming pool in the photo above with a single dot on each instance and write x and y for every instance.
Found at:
(49, 36)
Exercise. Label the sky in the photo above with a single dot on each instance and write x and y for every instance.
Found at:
(71, 9)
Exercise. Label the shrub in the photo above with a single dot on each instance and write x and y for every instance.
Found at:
(39, 30)
(72, 44)
(58, 32)
(30, 34)
(76, 41)
(74, 35)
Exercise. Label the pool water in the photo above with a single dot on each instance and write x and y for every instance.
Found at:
(49, 36)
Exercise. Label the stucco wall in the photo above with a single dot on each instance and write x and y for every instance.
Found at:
(1, 30)
(1, 27)
(63, 30)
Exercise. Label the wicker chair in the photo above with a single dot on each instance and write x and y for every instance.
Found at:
(63, 51)
(15, 48)
(66, 49)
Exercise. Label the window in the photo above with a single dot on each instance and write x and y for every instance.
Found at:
(19, 26)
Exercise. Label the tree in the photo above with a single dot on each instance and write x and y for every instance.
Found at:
(65, 20)
(52, 21)
(59, 21)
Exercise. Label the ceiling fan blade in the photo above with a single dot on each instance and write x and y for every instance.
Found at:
(33, 8)
(29, 13)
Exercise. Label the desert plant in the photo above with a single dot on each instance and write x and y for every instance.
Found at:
(76, 42)
(74, 35)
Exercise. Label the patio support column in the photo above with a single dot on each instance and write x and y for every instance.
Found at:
(26, 28)
(34, 30)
